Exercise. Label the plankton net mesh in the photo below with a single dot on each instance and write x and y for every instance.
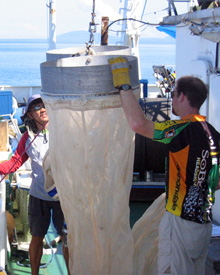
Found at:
(91, 156)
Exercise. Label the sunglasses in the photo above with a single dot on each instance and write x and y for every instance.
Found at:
(38, 107)
(172, 93)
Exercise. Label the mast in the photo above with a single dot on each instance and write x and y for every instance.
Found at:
(52, 24)
(131, 29)
(92, 25)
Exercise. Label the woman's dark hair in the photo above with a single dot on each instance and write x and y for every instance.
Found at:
(194, 89)
(28, 121)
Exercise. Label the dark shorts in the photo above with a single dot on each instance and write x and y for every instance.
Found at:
(40, 213)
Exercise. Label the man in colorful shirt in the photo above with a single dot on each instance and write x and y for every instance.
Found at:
(192, 171)
(34, 145)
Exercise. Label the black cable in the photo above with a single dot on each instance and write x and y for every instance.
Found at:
(132, 19)
(154, 24)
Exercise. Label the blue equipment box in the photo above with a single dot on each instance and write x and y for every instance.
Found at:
(5, 102)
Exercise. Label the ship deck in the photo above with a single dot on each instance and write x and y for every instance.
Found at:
(57, 265)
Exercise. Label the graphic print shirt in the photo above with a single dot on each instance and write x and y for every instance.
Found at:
(192, 166)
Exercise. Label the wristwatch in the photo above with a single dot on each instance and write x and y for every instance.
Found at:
(124, 87)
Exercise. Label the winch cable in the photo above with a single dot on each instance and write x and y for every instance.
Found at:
(4, 176)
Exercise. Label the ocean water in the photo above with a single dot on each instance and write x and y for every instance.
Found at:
(155, 54)
(20, 62)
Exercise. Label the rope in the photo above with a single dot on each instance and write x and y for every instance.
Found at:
(43, 265)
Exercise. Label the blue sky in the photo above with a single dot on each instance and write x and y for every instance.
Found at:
(28, 18)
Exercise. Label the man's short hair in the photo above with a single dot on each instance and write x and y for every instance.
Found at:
(194, 89)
